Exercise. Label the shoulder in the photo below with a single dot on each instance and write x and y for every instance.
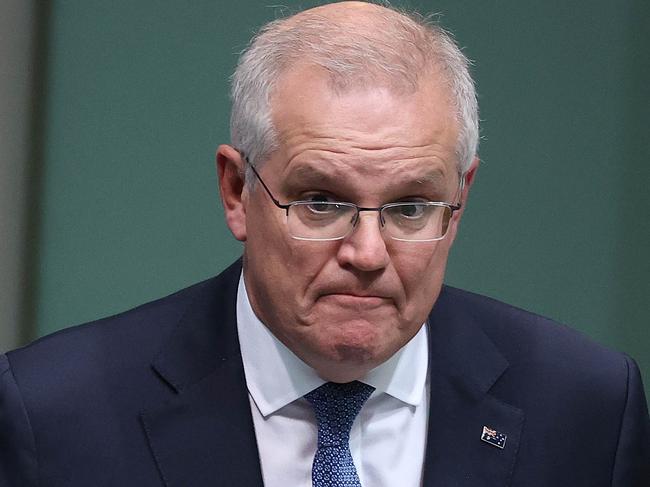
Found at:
(520, 333)
(540, 351)
(131, 335)
(122, 346)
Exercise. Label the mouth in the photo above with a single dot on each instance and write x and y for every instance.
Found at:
(355, 301)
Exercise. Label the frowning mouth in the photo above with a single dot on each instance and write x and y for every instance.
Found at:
(355, 300)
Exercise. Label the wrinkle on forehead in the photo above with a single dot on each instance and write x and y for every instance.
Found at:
(380, 145)
(343, 139)
(321, 140)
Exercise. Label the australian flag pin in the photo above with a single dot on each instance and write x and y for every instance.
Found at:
(493, 437)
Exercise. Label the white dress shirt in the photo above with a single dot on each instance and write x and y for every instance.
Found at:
(388, 437)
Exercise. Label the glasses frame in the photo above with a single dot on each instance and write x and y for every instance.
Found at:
(286, 207)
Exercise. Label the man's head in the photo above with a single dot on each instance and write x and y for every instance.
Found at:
(357, 103)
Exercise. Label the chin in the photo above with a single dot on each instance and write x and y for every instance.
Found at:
(347, 347)
(349, 363)
(351, 357)
(354, 356)
(354, 338)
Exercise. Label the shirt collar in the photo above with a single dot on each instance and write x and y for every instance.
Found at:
(275, 376)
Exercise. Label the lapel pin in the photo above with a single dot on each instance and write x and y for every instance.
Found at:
(493, 437)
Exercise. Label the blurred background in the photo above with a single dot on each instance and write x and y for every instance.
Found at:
(110, 114)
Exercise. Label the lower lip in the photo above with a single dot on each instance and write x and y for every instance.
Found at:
(351, 300)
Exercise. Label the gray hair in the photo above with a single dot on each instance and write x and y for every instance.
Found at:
(398, 48)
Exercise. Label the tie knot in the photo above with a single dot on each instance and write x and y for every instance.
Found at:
(336, 406)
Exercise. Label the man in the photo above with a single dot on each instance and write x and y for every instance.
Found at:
(332, 354)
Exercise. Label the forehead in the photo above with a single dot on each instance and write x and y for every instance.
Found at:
(366, 128)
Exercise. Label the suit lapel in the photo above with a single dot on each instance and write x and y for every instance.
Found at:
(464, 364)
(204, 435)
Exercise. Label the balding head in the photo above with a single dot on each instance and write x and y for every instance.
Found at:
(358, 45)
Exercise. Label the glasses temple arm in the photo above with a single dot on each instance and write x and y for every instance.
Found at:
(266, 188)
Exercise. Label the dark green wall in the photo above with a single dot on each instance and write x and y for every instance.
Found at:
(136, 104)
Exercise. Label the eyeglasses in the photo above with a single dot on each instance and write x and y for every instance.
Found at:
(418, 221)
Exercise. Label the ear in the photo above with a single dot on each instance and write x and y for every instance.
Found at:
(230, 168)
(469, 179)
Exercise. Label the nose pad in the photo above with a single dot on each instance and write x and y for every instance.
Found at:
(357, 216)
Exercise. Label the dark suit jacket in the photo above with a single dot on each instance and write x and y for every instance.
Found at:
(157, 396)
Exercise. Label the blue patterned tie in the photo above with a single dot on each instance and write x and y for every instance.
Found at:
(336, 406)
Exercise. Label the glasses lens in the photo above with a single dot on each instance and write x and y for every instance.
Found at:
(417, 221)
(320, 220)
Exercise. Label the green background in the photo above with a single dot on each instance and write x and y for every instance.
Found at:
(134, 102)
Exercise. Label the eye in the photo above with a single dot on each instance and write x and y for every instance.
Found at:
(321, 203)
(411, 211)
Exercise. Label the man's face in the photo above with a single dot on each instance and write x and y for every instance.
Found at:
(346, 306)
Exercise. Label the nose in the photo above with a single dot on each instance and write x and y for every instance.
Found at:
(365, 248)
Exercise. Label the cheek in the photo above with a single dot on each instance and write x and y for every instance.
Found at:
(283, 267)
(421, 269)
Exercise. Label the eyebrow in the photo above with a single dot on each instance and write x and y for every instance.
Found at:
(313, 174)
(308, 174)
